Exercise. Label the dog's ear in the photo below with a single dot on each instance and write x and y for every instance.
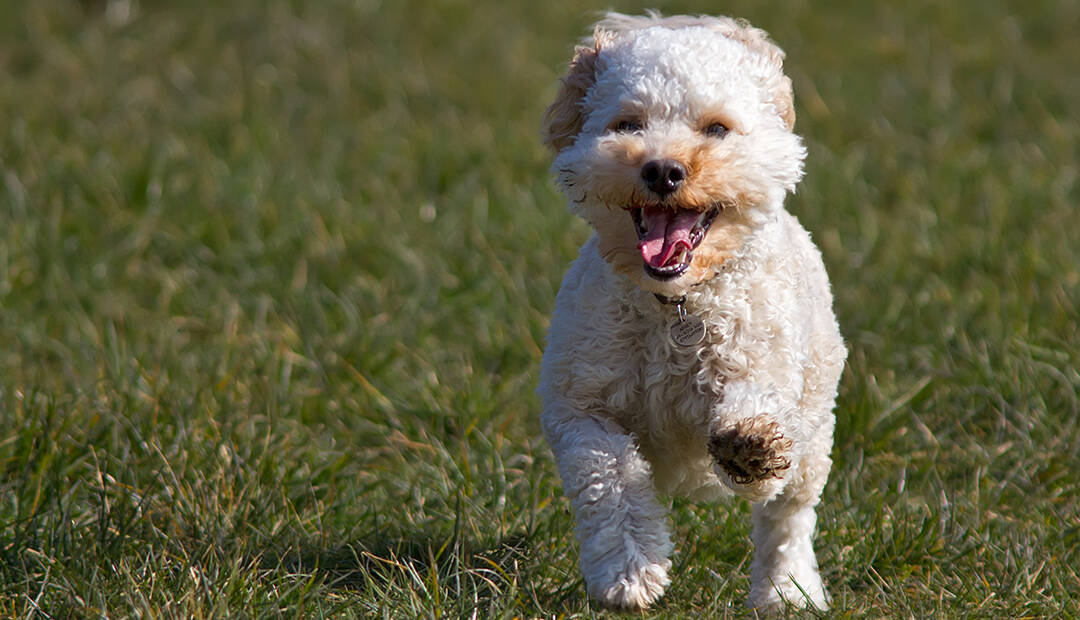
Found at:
(564, 117)
(758, 41)
(785, 102)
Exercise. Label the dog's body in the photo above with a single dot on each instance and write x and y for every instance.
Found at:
(673, 139)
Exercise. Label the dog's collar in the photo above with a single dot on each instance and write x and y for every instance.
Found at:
(680, 300)
(670, 301)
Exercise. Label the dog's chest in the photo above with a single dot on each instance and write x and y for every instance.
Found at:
(659, 388)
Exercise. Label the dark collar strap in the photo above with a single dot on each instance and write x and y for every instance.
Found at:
(671, 301)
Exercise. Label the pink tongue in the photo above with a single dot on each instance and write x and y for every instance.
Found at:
(666, 232)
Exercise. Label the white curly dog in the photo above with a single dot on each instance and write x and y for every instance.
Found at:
(693, 350)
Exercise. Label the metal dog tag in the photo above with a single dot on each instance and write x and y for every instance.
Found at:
(688, 331)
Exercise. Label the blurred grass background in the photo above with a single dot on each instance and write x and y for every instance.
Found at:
(274, 280)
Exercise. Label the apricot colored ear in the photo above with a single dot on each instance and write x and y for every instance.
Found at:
(564, 117)
(757, 40)
(784, 100)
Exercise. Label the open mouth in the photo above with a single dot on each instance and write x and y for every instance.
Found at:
(668, 236)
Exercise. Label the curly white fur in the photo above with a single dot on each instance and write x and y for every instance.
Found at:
(628, 413)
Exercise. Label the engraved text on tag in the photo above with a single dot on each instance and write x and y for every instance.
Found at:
(688, 331)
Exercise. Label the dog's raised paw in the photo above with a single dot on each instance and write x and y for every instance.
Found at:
(750, 450)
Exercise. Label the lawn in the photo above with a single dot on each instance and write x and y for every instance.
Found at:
(275, 279)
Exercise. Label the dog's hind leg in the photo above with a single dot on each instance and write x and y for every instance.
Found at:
(621, 527)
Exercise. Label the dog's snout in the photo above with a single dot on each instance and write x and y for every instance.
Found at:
(663, 176)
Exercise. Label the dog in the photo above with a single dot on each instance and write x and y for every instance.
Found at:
(693, 350)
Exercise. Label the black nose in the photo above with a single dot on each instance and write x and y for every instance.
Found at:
(663, 176)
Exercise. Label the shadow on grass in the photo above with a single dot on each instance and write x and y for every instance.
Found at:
(450, 573)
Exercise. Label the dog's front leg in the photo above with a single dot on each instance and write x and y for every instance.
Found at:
(751, 443)
(766, 450)
(784, 566)
(621, 528)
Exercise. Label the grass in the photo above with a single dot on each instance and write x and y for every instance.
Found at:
(274, 280)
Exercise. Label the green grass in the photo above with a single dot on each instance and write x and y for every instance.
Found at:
(274, 280)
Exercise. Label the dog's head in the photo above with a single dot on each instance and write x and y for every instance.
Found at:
(673, 139)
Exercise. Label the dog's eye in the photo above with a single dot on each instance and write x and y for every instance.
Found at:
(716, 130)
(628, 126)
